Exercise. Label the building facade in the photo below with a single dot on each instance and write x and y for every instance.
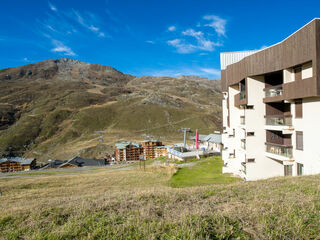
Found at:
(16, 164)
(126, 151)
(149, 147)
(271, 108)
(209, 143)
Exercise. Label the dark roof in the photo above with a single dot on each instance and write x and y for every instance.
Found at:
(23, 161)
(82, 162)
(53, 164)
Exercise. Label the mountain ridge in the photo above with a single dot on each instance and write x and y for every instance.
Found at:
(53, 108)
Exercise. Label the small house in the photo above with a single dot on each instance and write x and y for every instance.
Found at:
(52, 164)
(83, 162)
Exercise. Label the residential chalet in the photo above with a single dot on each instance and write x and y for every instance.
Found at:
(126, 151)
(17, 164)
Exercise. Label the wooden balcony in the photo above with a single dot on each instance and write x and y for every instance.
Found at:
(240, 99)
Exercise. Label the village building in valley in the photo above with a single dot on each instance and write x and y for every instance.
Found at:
(271, 108)
(211, 142)
(17, 164)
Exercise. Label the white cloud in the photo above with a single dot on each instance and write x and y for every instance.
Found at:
(81, 20)
(172, 28)
(51, 28)
(201, 43)
(150, 41)
(52, 7)
(59, 47)
(186, 71)
(93, 28)
(217, 23)
(211, 71)
(193, 33)
(101, 34)
(182, 46)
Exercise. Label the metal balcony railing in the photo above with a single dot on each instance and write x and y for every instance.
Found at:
(279, 120)
(274, 91)
(285, 151)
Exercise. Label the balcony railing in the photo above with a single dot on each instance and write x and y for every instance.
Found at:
(285, 151)
(279, 120)
(242, 120)
(274, 91)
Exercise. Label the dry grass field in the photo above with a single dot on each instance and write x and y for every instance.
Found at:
(111, 203)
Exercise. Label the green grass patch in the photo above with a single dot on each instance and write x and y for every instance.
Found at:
(204, 172)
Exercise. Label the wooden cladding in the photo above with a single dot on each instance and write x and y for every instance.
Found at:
(276, 137)
(297, 73)
(300, 89)
(278, 109)
(10, 166)
(299, 48)
(299, 140)
(298, 108)
(224, 87)
(149, 148)
(237, 100)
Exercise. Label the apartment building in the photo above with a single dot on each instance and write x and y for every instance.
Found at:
(271, 108)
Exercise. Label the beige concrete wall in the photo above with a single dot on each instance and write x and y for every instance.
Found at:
(309, 125)
(263, 167)
(307, 70)
(288, 75)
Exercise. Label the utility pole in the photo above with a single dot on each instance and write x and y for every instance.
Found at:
(185, 130)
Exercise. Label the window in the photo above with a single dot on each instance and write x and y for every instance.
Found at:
(299, 169)
(233, 154)
(250, 160)
(298, 107)
(288, 170)
(243, 89)
(249, 107)
(250, 134)
(299, 140)
(297, 73)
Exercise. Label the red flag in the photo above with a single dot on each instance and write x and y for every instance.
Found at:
(197, 139)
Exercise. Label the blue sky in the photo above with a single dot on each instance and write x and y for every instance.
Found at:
(145, 37)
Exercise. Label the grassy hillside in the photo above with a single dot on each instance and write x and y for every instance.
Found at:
(62, 108)
(203, 172)
(110, 203)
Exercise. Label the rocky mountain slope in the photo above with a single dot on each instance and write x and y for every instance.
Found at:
(61, 108)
